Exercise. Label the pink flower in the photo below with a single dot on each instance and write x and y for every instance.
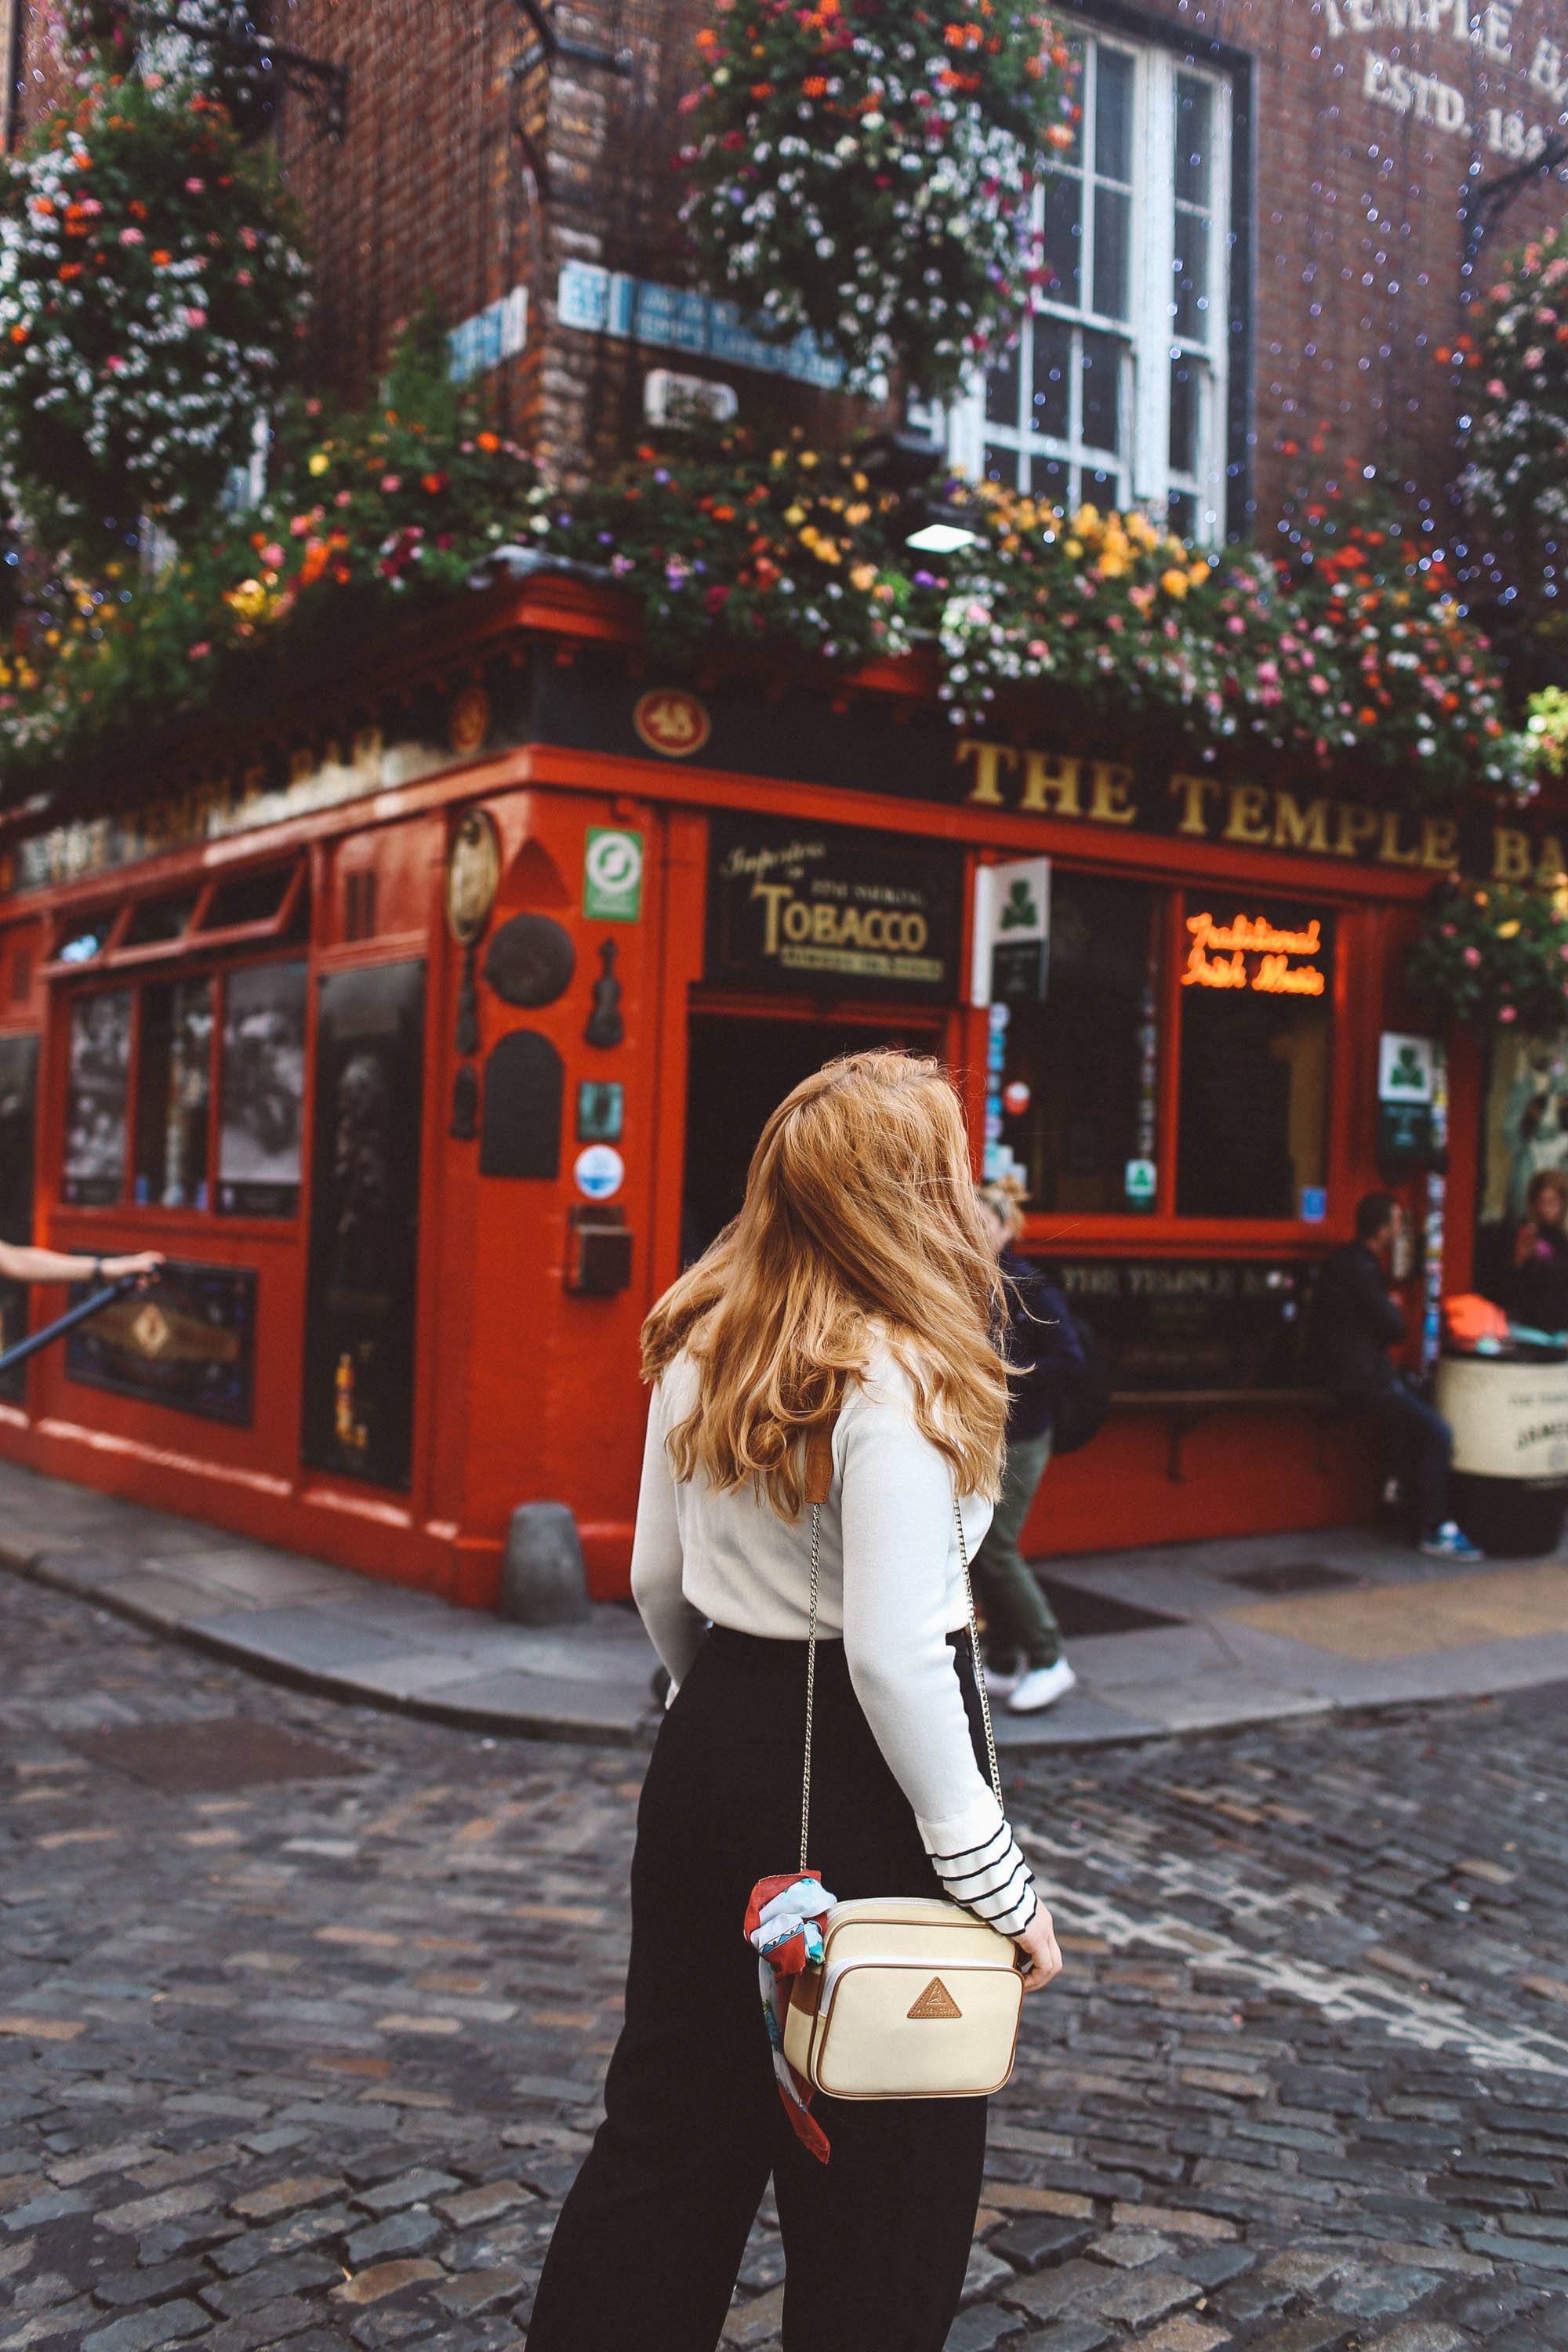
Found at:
(90, 207)
(390, 482)
(195, 187)
(250, 238)
(200, 653)
(300, 525)
(1236, 626)
(114, 363)
(1318, 682)
(1507, 1013)
(272, 554)
(131, 237)
(196, 317)
(1534, 356)
(1472, 957)
(1496, 388)
(344, 497)
(242, 277)
(1268, 672)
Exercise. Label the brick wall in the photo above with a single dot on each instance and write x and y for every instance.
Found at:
(456, 179)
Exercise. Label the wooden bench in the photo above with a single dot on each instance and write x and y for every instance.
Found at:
(1185, 1408)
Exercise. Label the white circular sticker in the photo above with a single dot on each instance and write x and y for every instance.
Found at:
(600, 1171)
(613, 863)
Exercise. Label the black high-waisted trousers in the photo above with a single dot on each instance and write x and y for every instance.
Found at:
(876, 2241)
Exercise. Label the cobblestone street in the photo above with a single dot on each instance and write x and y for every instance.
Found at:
(311, 2060)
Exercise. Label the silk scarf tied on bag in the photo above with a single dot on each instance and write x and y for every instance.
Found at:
(782, 1928)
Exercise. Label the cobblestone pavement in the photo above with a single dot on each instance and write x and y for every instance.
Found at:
(310, 2061)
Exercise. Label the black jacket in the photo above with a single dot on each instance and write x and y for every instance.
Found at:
(1354, 1323)
(1042, 1346)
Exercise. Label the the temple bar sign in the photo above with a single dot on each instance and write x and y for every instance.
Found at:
(1247, 816)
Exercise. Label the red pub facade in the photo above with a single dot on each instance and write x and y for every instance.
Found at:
(429, 1034)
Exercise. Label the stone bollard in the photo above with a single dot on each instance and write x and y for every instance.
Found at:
(543, 1579)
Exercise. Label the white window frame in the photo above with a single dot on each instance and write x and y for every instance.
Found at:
(1149, 335)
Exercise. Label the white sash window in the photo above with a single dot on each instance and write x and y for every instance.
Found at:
(1115, 391)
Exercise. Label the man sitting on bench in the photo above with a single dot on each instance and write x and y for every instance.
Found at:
(1355, 1322)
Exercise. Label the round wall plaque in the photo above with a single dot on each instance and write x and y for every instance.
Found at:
(531, 960)
(473, 875)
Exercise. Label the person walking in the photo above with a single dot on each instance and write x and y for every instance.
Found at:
(1355, 1323)
(852, 1300)
(1041, 1349)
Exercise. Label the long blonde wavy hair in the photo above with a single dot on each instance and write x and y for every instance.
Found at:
(860, 1208)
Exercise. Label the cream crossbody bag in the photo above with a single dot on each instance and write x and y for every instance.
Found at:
(914, 1998)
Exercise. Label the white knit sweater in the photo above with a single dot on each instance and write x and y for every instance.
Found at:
(890, 1586)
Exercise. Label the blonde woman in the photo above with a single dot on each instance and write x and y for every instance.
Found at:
(855, 1293)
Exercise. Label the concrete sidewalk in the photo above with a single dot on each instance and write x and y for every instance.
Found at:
(1211, 1634)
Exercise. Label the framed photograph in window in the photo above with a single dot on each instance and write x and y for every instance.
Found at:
(94, 1168)
(262, 1090)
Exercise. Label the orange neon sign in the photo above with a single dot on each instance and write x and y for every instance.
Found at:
(1220, 952)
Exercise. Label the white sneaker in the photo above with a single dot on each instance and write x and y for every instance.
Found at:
(1042, 1686)
(1000, 1685)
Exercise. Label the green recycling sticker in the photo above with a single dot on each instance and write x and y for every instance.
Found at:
(612, 875)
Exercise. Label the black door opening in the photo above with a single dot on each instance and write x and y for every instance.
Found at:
(740, 1069)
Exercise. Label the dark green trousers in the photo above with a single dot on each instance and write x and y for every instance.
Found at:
(1018, 1620)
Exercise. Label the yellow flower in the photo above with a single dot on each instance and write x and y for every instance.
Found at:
(809, 459)
(248, 600)
(1508, 930)
(858, 514)
(1139, 530)
(1174, 582)
(1197, 572)
(859, 482)
(795, 514)
(1481, 898)
(319, 461)
(1073, 547)
(863, 576)
(1112, 564)
(1086, 522)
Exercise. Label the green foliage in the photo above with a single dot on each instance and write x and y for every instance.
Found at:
(1496, 954)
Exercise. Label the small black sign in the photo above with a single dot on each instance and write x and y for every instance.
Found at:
(793, 907)
(186, 1340)
(1181, 1324)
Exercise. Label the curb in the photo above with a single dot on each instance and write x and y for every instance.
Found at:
(37, 1569)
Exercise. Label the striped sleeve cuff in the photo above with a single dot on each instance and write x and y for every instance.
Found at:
(993, 1880)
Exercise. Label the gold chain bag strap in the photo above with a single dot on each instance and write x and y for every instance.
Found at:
(914, 1998)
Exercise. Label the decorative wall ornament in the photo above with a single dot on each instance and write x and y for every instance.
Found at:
(473, 877)
(531, 960)
(606, 1026)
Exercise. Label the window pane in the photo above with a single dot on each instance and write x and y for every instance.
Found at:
(1082, 1069)
(1182, 509)
(1185, 396)
(1048, 479)
(263, 1090)
(173, 1072)
(1113, 114)
(1194, 139)
(1190, 309)
(158, 918)
(247, 899)
(1052, 363)
(1002, 466)
(1101, 390)
(1078, 50)
(1256, 997)
(95, 1102)
(84, 940)
(1112, 251)
(1002, 390)
(1064, 238)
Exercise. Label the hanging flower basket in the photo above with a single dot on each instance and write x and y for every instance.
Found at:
(151, 295)
(1517, 392)
(861, 171)
(1496, 954)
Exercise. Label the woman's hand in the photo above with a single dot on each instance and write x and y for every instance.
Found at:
(145, 1262)
(1037, 1944)
(1523, 1243)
